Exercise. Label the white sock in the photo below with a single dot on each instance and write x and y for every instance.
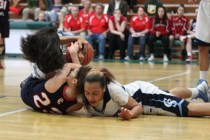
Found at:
(189, 36)
(194, 92)
(204, 75)
(189, 54)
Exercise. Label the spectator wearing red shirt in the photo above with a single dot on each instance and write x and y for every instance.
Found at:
(139, 27)
(97, 29)
(74, 24)
(161, 28)
(117, 34)
(179, 29)
(86, 12)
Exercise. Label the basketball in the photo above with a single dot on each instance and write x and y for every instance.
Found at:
(85, 55)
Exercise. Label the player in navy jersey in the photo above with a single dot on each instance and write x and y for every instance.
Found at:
(4, 25)
(52, 87)
(104, 96)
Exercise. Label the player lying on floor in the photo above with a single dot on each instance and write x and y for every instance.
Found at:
(52, 87)
(104, 96)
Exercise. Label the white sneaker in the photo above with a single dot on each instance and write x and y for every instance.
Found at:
(165, 58)
(151, 58)
(101, 57)
(141, 58)
(127, 58)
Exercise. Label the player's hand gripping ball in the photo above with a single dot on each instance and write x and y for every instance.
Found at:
(85, 54)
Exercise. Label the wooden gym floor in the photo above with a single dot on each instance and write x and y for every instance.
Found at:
(17, 121)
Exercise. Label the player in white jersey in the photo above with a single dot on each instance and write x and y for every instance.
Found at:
(202, 37)
(104, 96)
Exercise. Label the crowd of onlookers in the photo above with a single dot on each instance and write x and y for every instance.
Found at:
(148, 24)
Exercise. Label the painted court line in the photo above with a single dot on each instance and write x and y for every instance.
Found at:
(12, 112)
(167, 77)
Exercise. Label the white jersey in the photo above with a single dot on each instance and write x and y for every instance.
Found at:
(153, 100)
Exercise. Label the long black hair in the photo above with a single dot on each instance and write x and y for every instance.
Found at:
(43, 49)
(157, 18)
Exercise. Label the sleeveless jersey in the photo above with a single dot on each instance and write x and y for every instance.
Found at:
(4, 8)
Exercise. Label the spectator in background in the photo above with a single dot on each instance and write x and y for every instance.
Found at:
(86, 12)
(4, 26)
(74, 25)
(82, 4)
(161, 28)
(63, 12)
(34, 7)
(139, 27)
(118, 4)
(179, 29)
(151, 7)
(190, 37)
(15, 6)
(41, 17)
(98, 29)
(54, 11)
(117, 34)
(131, 4)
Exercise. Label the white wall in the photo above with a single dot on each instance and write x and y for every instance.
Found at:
(13, 42)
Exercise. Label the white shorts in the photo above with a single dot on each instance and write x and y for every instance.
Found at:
(202, 31)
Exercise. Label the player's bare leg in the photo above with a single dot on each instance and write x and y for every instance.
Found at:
(1, 50)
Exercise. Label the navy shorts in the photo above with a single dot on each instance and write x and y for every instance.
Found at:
(4, 27)
(198, 42)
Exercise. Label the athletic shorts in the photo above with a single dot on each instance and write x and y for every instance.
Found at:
(4, 27)
(202, 31)
(163, 103)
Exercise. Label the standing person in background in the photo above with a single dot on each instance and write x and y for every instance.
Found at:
(117, 34)
(179, 29)
(139, 27)
(161, 27)
(4, 26)
(202, 37)
(151, 6)
(118, 4)
(98, 29)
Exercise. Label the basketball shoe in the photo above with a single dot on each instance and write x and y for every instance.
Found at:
(203, 88)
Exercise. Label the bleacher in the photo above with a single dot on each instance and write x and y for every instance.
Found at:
(170, 5)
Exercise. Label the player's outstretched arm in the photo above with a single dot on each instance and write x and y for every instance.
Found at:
(131, 110)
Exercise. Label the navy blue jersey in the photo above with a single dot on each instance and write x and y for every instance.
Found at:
(4, 8)
(4, 18)
(34, 94)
